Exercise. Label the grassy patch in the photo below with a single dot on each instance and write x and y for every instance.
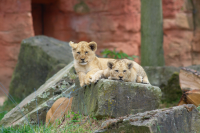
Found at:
(7, 106)
(71, 123)
(171, 91)
(2, 114)
(164, 104)
(198, 108)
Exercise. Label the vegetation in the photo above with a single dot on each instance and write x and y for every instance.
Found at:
(198, 108)
(171, 91)
(2, 113)
(72, 122)
(7, 106)
(116, 54)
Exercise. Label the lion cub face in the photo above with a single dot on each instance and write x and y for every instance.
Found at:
(120, 69)
(83, 52)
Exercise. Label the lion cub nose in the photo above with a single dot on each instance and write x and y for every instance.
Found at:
(120, 77)
(82, 59)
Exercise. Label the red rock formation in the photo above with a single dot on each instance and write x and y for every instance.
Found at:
(111, 23)
(15, 25)
(178, 32)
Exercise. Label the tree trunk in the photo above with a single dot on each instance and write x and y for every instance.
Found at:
(152, 33)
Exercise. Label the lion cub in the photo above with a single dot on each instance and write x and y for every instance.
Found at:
(86, 63)
(122, 70)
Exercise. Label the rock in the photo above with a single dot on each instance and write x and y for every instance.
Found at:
(178, 32)
(160, 75)
(114, 99)
(111, 24)
(15, 25)
(38, 57)
(171, 91)
(172, 120)
(184, 21)
(39, 102)
(167, 78)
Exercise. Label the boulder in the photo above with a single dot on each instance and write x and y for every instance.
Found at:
(160, 75)
(167, 78)
(109, 98)
(38, 59)
(35, 106)
(179, 119)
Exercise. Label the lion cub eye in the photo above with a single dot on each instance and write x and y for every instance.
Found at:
(78, 52)
(116, 70)
(124, 71)
(86, 52)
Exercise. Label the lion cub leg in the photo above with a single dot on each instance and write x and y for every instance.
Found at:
(81, 76)
(139, 79)
(145, 80)
(90, 75)
(100, 74)
(87, 79)
(96, 76)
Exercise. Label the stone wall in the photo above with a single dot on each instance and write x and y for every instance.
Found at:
(111, 23)
(15, 25)
(117, 24)
(178, 32)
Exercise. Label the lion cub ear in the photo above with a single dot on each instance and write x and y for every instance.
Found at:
(110, 64)
(130, 65)
(93, 46)
(73, 45)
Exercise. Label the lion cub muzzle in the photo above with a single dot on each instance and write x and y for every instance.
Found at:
(121, 78)
(83, 62)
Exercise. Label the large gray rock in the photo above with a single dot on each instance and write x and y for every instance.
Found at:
(160, 75)
(113, 98)
(167, 78)
(39, 58)
(35, 106)
(179, 119)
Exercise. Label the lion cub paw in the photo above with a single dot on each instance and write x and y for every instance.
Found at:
(95, 78)
(82, 84)
(145, 81)
(88, 80)
(139, 79)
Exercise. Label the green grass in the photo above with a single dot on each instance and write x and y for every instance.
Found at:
(7, 106)
(2, 114)
(168, 104)
(42, 129)
(198, 108)
(71, 123)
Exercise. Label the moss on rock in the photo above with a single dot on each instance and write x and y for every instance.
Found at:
(171, 91)
(41, 100)
(36, 63)
(172, 120)
(110, 98)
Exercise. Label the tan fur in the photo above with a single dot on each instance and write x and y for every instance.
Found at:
(58, 110)
(89, 64)
(123, 70)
